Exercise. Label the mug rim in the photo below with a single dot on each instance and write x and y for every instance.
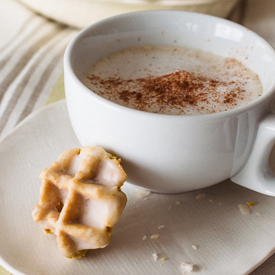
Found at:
(68, 67)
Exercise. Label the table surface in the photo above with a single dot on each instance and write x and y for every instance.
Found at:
(20, 78)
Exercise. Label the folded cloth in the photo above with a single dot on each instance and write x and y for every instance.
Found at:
(30, 61)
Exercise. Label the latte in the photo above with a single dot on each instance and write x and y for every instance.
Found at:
(173, 80)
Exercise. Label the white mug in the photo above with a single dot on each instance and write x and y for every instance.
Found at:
(167, 153)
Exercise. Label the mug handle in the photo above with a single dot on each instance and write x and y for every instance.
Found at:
(256, 174)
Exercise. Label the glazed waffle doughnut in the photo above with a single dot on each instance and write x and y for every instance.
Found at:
(80, 199)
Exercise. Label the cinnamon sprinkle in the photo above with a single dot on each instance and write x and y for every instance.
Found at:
(176, 90)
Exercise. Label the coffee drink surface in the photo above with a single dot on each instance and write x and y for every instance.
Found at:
(173, 80)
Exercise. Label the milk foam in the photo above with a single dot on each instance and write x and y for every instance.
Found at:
(173, 80)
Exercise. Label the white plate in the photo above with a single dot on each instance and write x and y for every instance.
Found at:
(81, 13)
(227, 242)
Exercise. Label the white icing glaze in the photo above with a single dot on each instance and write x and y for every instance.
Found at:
(80, 199)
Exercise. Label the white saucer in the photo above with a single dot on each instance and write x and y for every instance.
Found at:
(227, 242)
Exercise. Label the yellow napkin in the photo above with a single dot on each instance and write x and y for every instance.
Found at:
(3, 271)
(58, 91)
